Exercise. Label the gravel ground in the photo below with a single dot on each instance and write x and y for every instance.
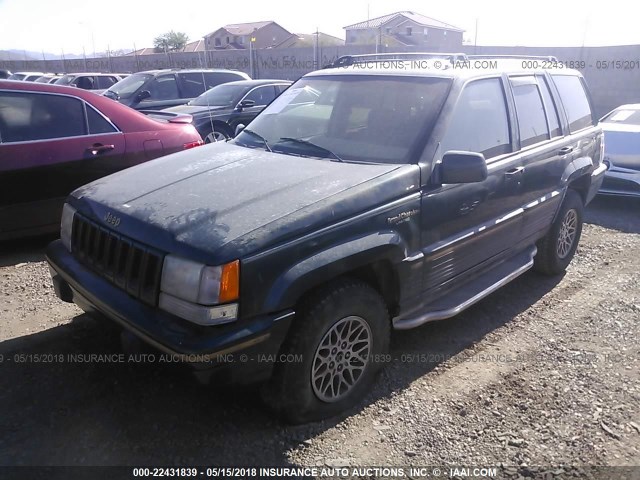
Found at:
(543, 373)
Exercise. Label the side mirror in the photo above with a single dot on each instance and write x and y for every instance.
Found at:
(463, 167)
(246, 104)
(143, 95)
(239, 129)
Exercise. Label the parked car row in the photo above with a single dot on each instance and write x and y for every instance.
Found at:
(158, 89)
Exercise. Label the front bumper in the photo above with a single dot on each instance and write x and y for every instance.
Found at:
(247, 348)
(621, 181)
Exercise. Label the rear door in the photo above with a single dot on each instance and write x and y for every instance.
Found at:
(467, 227)
(50, 145)
(544, 152)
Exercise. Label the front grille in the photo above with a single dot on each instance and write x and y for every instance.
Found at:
(134, 267)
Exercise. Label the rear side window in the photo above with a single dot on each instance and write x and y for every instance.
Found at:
(105, 82)
(216, 78)
(97, 123)
(192, 84)
(575, 101)
(479, 122)
(532, 121)
(550, 108)
(28, 116)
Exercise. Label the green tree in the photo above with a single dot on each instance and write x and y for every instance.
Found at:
(170, 41)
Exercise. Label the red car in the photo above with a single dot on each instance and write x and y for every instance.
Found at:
(54, 139)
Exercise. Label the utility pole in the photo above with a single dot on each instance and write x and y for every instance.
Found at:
(135, 54)
(109, 58)
(251, 40)
(475, 41)
(316, 53)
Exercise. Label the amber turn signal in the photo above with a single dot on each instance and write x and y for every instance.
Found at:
(230, 282)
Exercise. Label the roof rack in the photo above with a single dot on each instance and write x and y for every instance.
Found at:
(548, 58)
(348, 60)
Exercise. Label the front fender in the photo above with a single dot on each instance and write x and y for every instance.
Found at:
(331, 263)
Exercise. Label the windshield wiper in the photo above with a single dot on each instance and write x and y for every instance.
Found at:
(266, 144)
(311, 144)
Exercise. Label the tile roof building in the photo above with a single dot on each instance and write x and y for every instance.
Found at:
(405, 29)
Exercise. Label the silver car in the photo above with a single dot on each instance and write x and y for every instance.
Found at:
(622, 151)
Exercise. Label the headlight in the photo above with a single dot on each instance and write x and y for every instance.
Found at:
(192, 287)
(66, 225)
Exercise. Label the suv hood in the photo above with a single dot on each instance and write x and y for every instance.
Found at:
(222, 201)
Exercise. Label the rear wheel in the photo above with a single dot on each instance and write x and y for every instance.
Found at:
(334, 351)
(558, 246)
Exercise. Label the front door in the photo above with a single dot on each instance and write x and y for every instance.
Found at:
(466, 227)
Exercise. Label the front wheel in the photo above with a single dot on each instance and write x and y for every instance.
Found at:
(334, 350)
(558, 246)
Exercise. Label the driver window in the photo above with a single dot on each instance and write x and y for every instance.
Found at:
(262, 95)
(479, 121)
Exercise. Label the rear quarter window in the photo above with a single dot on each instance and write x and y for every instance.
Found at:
(575, 101)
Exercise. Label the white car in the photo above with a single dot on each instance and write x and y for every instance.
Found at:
(25, 76)
(622, 151)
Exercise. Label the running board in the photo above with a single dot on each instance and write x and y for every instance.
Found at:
(471, 293)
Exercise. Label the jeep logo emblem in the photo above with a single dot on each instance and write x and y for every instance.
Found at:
(112, 219)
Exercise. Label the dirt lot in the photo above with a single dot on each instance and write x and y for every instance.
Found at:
(544, 372)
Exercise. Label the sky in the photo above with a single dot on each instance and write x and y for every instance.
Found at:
(72, 25)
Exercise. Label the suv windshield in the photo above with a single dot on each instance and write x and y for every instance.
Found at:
(220, 96)
(350, 117)
(128, 86)
(624, 116)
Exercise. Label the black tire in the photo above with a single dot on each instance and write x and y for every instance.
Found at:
(291, 392)
(553, 258)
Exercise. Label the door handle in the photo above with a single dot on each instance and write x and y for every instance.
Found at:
(98, 148)
(565, 151)
(514, 171)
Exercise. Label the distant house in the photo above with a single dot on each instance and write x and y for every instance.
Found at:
(405, 29)
(300, 40)
(195, 46)
(144, 51)
(237, 36)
